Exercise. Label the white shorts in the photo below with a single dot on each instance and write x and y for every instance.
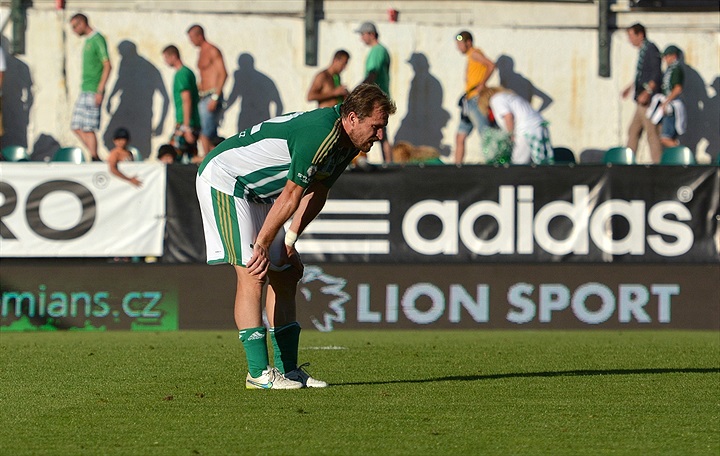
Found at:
(231, 225)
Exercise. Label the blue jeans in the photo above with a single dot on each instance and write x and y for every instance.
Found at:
(474, 118)
(668, 127)
(209, 121)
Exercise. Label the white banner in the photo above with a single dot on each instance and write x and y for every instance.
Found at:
(69, 210)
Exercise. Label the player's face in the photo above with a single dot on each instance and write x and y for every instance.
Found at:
(363, 133)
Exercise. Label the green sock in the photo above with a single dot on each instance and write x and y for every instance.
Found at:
(285, 342)
(254, 341)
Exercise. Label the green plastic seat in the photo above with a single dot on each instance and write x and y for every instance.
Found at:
(69, 154)
(137, 156)
(679, 155)
(15, 154)
(619, 156)
(563, 155)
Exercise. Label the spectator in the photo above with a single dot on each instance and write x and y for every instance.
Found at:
(647, 83)
(120, 152)
(667, 107)
(213, 75)
(326, 88)
(477, 72)
(167, 154)
(185, 95)
(249, 187)
(95, 71)
(377, 71)
(527, 129)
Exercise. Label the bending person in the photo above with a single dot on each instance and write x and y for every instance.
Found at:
(249, 186)
(527, 129)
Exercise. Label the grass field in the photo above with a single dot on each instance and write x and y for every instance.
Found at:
(393, 392)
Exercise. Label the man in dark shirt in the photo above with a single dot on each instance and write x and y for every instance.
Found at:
(647, 83)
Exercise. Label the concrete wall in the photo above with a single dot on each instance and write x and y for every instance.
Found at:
(549, 50)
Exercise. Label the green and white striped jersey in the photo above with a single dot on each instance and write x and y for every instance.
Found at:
(256, 163)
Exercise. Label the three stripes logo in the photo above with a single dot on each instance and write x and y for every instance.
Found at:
(347, 227)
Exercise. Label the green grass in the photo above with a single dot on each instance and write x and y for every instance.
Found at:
(393, 392)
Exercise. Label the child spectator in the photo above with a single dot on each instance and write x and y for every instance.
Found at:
(120, 152)
(167, 154)
(667, 105)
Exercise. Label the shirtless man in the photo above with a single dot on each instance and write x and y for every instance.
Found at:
(212, 79)
(326, 88)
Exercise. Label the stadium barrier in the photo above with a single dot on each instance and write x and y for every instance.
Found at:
(441, 247)
(334, 296)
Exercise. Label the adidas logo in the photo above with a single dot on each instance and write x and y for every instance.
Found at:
(256, 335)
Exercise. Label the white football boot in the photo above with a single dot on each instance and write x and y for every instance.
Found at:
(271, 378)
(301, 375)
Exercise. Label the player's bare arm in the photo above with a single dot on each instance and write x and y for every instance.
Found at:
(311, 204)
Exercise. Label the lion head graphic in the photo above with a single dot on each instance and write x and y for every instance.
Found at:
(317, 285)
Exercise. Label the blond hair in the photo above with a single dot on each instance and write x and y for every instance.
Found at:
(405, 152)
(485, 95)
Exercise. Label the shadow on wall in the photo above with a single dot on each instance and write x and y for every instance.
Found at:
(256, 93)
(520, 84)
(703, 112)
(425, 117)
(17, 99)
(135, 86)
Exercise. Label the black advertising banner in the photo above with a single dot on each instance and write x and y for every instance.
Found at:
(184, 238)
(515, 214)
(485, 214)
(529, 296)
(385, 296)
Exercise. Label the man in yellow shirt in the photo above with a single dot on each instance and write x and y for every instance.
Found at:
(478, 71)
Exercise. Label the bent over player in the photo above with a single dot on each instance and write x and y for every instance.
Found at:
(254, 182)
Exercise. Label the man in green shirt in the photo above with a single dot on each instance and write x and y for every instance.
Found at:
(377, 71)
(95, 71)
(186, 97)
(254, 182)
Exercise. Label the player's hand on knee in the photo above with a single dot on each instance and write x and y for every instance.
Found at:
(259, 262)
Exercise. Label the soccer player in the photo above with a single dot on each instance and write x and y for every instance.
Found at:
(254, 182)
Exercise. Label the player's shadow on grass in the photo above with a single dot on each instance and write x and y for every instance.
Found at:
(569, 373)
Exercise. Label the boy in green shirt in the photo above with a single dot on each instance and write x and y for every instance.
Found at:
(672, 87)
